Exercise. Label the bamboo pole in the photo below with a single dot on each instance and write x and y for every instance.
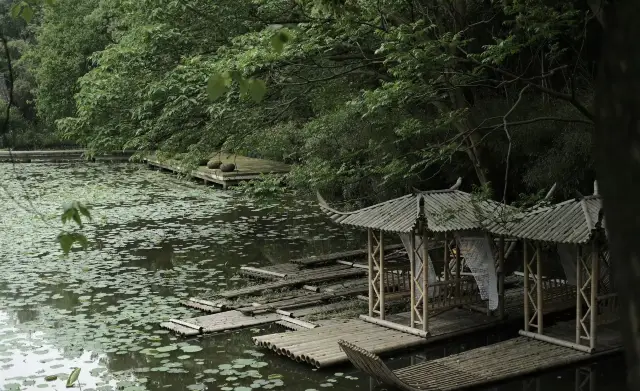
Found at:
(371, 266)
(381, 274)
(458, 266)
(579, 294)
(395, 326)
(262, 271)
(187, 325)
(501, 277)
(526, 286)
(595, 279)
(539, 288)
(425, 282)
(412, 283)
(556, 341)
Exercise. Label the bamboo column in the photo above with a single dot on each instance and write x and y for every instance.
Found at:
(501, 277)
(539, 287)
(381, 274)
(595, 280)
(458, 268)
(371, 271)
(579, 295)
(425, 281)
(447, 271)
(412, 283)
(526, 286)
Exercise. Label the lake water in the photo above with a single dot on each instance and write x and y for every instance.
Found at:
(155, 240)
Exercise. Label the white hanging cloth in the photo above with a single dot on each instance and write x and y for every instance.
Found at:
(406, 240)
(568, 254)
(476, 250)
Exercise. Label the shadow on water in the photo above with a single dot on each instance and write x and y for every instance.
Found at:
(155, 241)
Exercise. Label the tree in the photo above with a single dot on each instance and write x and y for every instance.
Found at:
(616, 147)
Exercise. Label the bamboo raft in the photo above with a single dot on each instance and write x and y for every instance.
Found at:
(483, 366)
(319, 346)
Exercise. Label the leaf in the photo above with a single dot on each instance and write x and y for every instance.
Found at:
(279, 39)
(51, 378)
(84, 210)
(276, 43)
(257, 89)
(66, 242)
(27, 12)
(245, 86)
(73, 377)
(274, 376)
(15, 10)
(217, 86)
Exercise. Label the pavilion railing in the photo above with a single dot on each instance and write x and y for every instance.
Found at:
(453, 293)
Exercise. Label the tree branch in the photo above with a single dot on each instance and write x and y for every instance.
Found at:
(505, 126)
(556, 94)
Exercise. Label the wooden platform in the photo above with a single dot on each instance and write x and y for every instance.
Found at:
(246, 169)
(57, 156)
(313, 348)
(482, 366)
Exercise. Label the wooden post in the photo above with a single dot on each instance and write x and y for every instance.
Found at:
(595, 280)
(425, 281)
(501, 277)
(526, 286)
(446, 258)
(578, 293)
(539, 288)
(382, 275)
(447, 271)
(458, 268)
(412, 283)
(371, 271)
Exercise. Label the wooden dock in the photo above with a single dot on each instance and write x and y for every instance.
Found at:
(247, 169)
(319, 346)
(484, 366)
(59, 156)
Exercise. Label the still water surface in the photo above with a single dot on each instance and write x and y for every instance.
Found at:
(156, 240)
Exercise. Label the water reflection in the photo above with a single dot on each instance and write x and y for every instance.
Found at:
(156, 240)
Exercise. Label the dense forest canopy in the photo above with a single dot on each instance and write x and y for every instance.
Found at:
(370, 98)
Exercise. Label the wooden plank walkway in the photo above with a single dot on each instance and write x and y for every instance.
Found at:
(223, 321)
(247, 169)
(62, 155)
(321, 352)
(345, 255)
(482, 366)
(234, 319)
(311, 276)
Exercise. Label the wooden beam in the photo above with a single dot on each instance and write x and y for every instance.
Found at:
(539, 288)
(595, 282)
(578, 293)
(371, 271)
(527, 282)
(381, 274)
(501, 277)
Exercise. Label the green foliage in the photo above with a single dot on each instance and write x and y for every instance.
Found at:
(368, 99)
(73, 211)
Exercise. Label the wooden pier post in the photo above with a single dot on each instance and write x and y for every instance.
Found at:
(539, 288)
(526, 286)
(595, 280)
(501, 277)
(458, 268)
(381, 273)
(425, 281)
(579, 295)
(412, 283)
(371, 271)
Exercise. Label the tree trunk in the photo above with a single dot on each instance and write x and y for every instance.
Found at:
(617, 154)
